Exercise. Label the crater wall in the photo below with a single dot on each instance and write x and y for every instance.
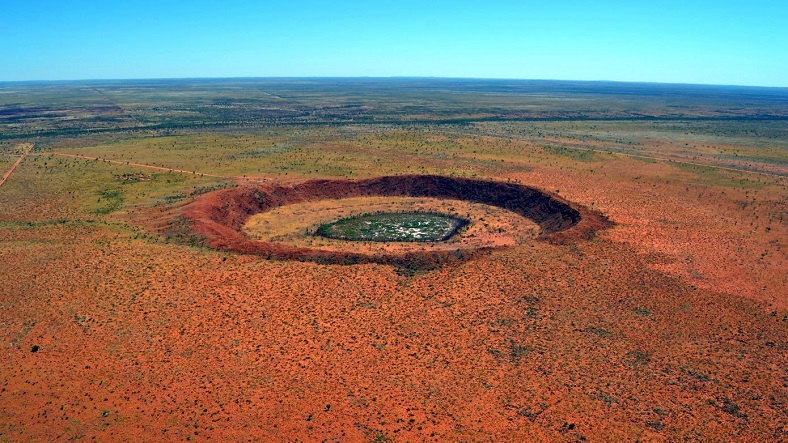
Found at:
(219, 216)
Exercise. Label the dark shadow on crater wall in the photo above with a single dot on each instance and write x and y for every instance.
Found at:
(219, 216)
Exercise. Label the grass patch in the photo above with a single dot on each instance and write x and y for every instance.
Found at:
(582, 155)
(393, 227)
(112, 200)
(711, 175)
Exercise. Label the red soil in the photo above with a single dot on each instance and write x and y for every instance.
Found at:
(658, 330)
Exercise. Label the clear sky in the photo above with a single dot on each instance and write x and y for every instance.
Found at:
(741, 42)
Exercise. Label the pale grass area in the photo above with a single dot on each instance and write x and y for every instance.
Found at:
(25, 149)
(294, 225)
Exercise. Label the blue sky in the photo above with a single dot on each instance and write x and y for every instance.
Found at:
(743, 42)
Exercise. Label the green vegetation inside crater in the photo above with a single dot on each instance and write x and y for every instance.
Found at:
(397, 227)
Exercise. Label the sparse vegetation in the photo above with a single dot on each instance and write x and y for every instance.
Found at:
(120, 322)
(398, 227)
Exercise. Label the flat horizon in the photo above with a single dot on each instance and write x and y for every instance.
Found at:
(393, 77)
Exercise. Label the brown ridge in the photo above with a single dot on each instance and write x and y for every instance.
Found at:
(219, 216)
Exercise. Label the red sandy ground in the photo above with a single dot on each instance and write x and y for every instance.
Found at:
(670, 326)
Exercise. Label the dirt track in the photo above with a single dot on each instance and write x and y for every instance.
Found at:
(10, 171)
(141, 165)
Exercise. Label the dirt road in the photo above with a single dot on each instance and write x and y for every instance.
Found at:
(30, 147)
(141, 165)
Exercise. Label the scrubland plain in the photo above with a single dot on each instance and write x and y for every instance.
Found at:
(119, 321)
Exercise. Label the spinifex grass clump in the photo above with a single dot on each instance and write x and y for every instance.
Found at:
(396, 227)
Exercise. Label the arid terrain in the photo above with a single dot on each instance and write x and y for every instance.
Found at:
(161, 281)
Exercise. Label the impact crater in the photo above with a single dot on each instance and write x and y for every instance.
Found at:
(220, 217)
(296, 225)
